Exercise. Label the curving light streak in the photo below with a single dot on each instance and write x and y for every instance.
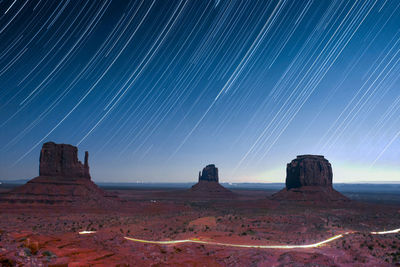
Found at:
(197, 241)
(386, 232)
(235, 245)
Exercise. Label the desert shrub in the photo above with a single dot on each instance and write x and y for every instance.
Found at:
(27, 252)
(250, 232)
(49, 254)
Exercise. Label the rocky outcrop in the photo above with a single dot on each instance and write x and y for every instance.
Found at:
(209, 174)
(62, 160)
(58, 190)
(208, 185)
(309, 178)
(308, 170)
(62, 179)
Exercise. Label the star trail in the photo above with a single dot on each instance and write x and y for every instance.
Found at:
(156, 89)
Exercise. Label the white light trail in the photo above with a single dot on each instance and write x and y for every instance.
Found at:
(10, 6)
(386, 232)
(197, 241)
(235, 245)
(87, 232)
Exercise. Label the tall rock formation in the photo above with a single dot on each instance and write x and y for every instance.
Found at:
(62, 160)
(62, 179)
(208, 185)
(309, 170)
(209, 174)
(309, 177)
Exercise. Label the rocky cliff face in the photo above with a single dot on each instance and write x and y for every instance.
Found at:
(208, 185)
(309, 170)
(62, 160)
(309, 178)
(209, 174)
(62, 180)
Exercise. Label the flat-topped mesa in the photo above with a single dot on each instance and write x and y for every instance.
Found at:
(309, 170)
(61, 160)
(309, 178)
(209, 174)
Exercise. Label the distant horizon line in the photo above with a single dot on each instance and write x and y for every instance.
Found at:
(143, 182)
(224, 182)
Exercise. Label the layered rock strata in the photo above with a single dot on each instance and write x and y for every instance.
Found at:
(62, 179)
(62, 160)
(308, 170)
(309, 178)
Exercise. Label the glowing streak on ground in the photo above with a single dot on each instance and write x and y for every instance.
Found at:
(87, 232)
(253, 246)
(386, 232)
(234, 245)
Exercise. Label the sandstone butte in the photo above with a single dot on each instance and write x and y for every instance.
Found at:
(63, 179)
(309, 178)
(208, 185)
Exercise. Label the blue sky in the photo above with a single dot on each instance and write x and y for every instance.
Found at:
(155, 90)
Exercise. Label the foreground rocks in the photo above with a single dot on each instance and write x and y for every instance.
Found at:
(49, 237)
(309, 177)
(62, 179)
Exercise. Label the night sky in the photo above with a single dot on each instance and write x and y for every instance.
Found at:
(155, 90)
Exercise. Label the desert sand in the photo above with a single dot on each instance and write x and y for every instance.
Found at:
(62, 218)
